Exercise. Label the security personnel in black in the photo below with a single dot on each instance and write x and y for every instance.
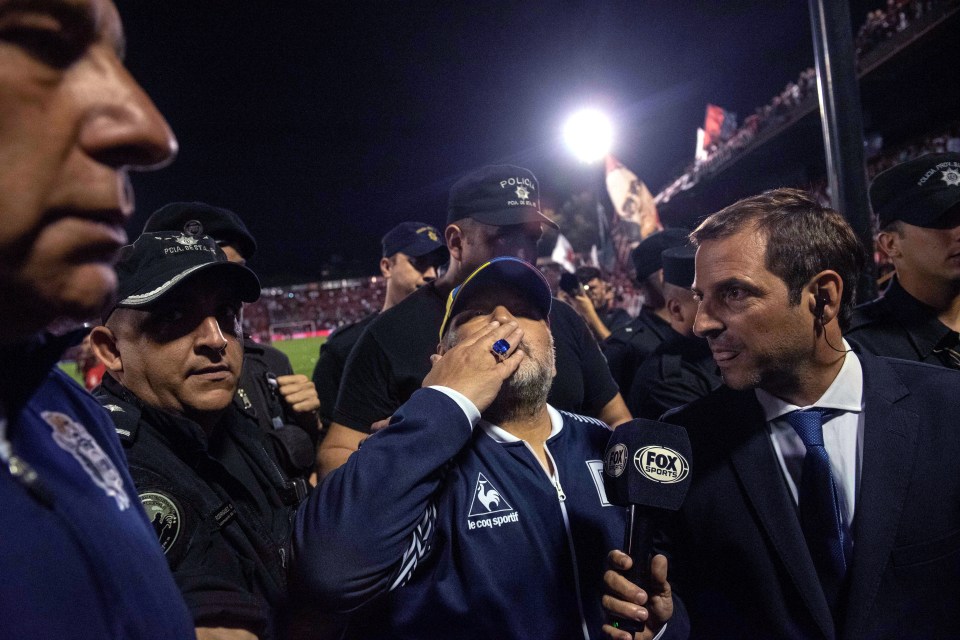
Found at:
(221, 506)
(682, 368)
(918, 317)
(283, 403)
(628, 346)
(413, 253)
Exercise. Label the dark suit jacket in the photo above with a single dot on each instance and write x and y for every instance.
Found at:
(738, 557)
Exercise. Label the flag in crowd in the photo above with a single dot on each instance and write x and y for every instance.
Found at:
(563, 253)
(636, 213)
(718, 125)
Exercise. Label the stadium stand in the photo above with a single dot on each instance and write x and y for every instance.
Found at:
(886, 33)
(315, 308)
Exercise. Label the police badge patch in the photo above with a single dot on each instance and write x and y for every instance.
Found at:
(165, 517)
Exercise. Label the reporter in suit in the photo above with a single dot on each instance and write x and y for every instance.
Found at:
(750, 554)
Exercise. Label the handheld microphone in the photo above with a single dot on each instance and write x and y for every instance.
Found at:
(646, 469)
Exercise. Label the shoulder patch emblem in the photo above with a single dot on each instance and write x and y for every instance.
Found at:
(74, 438)
(164, 515)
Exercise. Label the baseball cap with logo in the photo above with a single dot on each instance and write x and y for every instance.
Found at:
(918, 191)
(498, 275)
(157, 263)
(221, 224)
(415, 239)
(498, 195)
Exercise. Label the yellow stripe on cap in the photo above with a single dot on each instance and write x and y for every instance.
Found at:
(451, 298)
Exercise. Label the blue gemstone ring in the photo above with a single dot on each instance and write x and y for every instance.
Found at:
(499, 349)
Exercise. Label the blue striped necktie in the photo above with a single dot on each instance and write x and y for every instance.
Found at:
(822, 521)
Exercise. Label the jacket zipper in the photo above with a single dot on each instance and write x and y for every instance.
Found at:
(562, 499)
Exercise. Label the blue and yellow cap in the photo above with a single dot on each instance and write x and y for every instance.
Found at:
(500, 274)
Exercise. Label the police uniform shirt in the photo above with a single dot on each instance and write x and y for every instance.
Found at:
(328, 372)
(258, 398)
(614, 318)
(897, 325)
(627, 347)
(681, 370)
(218, 507)
(389, 362)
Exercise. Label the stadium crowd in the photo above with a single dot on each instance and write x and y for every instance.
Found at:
(800, 96)
(896, 16)
(319, 306)
(448, 470)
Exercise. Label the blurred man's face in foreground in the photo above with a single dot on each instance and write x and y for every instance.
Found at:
(72, 122)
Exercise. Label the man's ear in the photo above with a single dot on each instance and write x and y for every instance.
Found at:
(385, 267)
(454, 236)
(103, 342)
(675, 309)
(824, 292)
(889, 243)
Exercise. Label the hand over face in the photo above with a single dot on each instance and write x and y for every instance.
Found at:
(471, 367)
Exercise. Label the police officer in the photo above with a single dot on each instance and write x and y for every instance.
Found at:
(413, 252)
(628, 346)
(918, 317)
(681, 369)
(493, 211)
(219, 503)
(283, 403)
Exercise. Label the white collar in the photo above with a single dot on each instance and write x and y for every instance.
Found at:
(503, 436)
(845, 393)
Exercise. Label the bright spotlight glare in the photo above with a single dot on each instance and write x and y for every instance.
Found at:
(589, 135)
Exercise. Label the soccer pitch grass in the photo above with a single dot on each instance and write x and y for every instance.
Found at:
(303, 354)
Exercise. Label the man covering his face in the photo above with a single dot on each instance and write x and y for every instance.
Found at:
(480, 509)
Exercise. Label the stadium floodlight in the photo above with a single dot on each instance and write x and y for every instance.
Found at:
(589, 134)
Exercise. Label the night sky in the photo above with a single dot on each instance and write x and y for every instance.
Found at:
(323, 124)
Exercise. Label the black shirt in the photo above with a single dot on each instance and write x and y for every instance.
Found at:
(627, 347)
(221, 507)
(392, 357)
(332, 361)
(259, 399)
(898, 325)
(680, 371)
(615, 318)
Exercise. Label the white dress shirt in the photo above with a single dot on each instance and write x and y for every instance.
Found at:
(842, 432)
